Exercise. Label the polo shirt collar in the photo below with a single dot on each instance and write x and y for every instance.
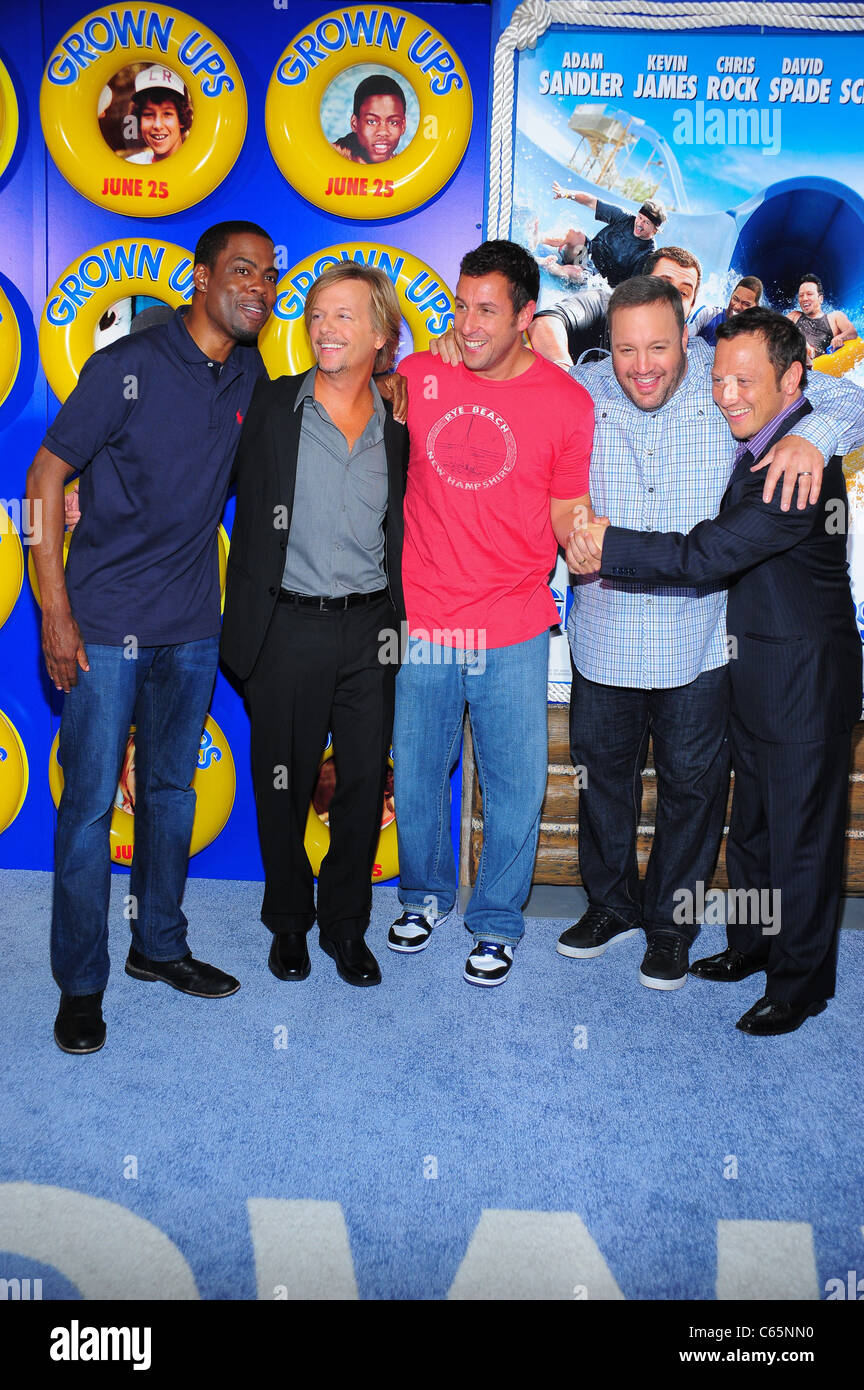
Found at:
(189, 351)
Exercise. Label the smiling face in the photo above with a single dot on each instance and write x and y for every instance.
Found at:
(742, 299)
(160, 128)
(489, 334)
(809, 300)
(648, 355)
(684, 278)
(643, 227)
(240, 291)
(343, 337)
(745, 386)
(379, 126)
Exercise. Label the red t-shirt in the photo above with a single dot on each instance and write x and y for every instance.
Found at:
(486, 457)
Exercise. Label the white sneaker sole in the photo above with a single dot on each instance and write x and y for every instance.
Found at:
(409, 950)
(651, 983)
(588, 952)
(488, 984)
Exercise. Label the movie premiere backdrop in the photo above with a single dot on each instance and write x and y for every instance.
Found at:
(101, 208)
(749, 138)
(752, 141)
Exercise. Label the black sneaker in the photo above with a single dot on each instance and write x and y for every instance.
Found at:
(665, 963)
(593, 933)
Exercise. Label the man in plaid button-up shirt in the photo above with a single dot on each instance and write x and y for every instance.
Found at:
(651, 659)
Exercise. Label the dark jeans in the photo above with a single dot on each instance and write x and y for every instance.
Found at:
(320, 672)
(609, 730)
(164, 692)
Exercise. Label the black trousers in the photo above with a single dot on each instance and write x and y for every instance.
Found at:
(609, 728)
(787, 836)
(321, 672)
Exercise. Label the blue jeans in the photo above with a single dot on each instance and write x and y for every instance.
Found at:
(505, 690)
(164, 692)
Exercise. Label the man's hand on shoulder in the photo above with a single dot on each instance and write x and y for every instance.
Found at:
(394, 388)
(447, 348)
(800, 465)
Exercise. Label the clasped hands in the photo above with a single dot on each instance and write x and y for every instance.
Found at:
(584, 551)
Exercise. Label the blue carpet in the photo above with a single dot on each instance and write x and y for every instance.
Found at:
(630, 1162)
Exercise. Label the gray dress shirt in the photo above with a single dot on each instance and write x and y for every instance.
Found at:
(336, 541)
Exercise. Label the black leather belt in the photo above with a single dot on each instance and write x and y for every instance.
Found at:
(329, 605)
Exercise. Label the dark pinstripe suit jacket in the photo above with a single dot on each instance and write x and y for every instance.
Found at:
(796, 676)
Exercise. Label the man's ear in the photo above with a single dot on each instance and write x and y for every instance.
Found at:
(200, 277)
(685, 337)
(525, 316)
(790, 381)
(354, 124)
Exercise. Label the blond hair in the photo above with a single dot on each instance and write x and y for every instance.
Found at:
(384, 308)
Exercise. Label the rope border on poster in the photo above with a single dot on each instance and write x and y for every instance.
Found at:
(533, 17)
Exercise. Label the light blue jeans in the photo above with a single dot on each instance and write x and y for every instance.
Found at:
(505, 689)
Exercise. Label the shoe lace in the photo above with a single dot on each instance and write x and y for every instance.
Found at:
(489, 948)
(597, 919)
(664, 943)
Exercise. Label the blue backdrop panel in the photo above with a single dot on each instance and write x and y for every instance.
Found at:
(47, 224)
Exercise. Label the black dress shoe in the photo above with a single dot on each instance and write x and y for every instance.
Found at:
(289, 956)
(79, 1026)
(354, 961)
(188, 975)
(769, 1017)
(728, 965)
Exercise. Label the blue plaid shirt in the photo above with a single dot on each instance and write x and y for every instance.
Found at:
(667, 470)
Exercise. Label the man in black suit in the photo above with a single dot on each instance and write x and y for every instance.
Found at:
(313, 590)
(795, 673)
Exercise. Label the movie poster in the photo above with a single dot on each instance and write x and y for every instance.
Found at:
(751, 145)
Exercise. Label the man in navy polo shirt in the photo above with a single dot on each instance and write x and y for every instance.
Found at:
(131, 632)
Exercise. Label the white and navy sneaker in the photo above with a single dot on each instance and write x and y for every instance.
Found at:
(411, 931)
(488, 964)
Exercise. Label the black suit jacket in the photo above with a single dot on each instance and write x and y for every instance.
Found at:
(265, 470)
(796, 663)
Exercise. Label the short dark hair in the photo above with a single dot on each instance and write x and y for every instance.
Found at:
(376, 86)
(811, 280)
(751, 282)
(511, 260)
(182, 104)
(646, 289)
(784, 341)
(685, 259)
(212, 243)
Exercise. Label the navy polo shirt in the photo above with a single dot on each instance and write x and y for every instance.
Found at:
(153, 429)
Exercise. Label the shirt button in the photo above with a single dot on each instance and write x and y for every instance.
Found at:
(272, 592)
(650, 489)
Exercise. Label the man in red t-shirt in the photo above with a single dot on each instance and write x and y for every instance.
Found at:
(500, 447)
